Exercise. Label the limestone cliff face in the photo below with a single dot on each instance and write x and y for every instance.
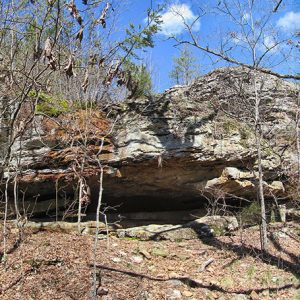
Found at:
(172, 151)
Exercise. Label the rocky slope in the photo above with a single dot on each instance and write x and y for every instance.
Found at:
(170, 152)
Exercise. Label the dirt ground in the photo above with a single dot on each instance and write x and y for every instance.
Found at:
(56, 265)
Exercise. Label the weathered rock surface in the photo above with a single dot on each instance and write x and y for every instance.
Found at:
(199, 228)
(67, 227)
(170, 152)
(159, 232)
(293, 214)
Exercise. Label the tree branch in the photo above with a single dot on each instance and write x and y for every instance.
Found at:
(236, 62)
(277, 6)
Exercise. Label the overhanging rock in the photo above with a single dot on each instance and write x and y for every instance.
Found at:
(165, 153)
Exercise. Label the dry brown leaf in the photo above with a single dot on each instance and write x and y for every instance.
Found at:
(75, 13)
(101, 62)
(48, 47)
(48, 53)
(69, 66)
(75, 251)
(79, 35)
(85, 83)
(37, 52)
(121, 78)
(51, 2)
(102, 19)
(112, 72)
(92, 60)
(131, 84)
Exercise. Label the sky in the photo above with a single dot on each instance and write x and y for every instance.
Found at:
(210, 28)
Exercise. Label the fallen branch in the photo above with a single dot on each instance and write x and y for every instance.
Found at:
(194, 283)
(205, 265)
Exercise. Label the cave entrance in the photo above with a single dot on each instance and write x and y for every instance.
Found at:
(149, 210)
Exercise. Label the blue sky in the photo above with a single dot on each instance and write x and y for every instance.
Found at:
(210, 28)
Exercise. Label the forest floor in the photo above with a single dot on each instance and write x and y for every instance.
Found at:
(56, 265)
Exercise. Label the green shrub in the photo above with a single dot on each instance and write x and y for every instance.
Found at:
(218, 230)
(140, 77)
(250, 215)
(83, 105)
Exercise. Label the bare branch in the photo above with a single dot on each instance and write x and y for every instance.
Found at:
(277, 6)
(236, 62)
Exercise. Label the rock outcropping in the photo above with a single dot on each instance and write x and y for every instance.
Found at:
(175, 151)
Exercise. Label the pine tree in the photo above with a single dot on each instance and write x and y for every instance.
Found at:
(137, 79)
(185, 67)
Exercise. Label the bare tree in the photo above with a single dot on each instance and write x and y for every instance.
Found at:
(57, 58)
(253, 36)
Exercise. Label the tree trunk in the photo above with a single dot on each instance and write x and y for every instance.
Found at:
(261, 198)
(79, 205)
(260, 191)
(298, 137)
(4, 256)
(97, 281)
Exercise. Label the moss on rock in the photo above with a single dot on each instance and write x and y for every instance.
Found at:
(49, 105)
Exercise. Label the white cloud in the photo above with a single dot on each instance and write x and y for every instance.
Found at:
(290, 21)
(174, 18)
(269, 43)
(246, 17)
